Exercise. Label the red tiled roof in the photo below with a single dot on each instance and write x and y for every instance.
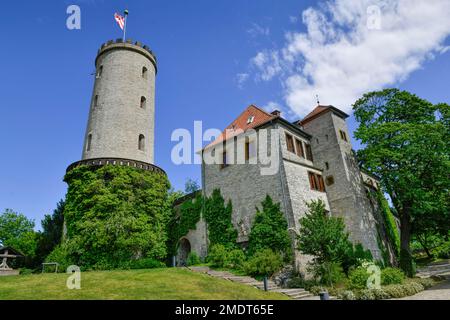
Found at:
(317, 110)
(240, 124)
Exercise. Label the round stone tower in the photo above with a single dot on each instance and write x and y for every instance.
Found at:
(120, 129)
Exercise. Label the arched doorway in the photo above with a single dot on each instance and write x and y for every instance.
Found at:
(184, 248)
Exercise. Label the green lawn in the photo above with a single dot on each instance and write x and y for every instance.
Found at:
(151, 284)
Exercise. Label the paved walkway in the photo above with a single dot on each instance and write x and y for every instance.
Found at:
(438, 292)
(296, 294)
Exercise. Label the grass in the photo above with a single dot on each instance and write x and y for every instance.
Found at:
(149, 284)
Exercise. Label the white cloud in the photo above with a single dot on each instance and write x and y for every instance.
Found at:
(241, 78)
(342, 55)
(257, 30)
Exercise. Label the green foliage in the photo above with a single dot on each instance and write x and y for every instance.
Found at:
(144, 263)
(234, 259)
(52, 231)
(115, 214)
(328, 273)
(264, 263)
(217, 255)
(60, 255)
(184, 220)
(193, 259)
(191, 186)
(357, 278)
(392, 276)
(17, 231)
(406, 143)
(442, 251)
(389, 221)
(269, 230)
(323, 236)
(218, 217)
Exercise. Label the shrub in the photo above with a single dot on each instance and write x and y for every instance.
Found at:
(300, 282)
(263, 263)
(442, 251)
(426, 282)
(346, 295)
(358, 278)
(234, 259)
(366, 294)
(146, 263)
(392, 276)
(25, 271)
(217, 255)
(193, 259)
(60, 255)
(328, 273)
(315, 290)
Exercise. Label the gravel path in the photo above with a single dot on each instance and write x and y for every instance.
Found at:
(438, 292)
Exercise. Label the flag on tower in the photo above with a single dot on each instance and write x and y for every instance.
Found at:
(120, 20)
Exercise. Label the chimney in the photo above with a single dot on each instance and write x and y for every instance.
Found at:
(276, 113)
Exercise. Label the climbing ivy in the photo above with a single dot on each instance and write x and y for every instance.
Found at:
(389, 221)
(218, 216)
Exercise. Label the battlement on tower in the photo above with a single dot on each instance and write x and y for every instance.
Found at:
(129, 44)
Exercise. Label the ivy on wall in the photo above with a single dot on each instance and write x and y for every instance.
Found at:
(389, 221)
(114, 214)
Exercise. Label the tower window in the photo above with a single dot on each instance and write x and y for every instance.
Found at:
(89, 142)
(299, 146)
(316, 181)
(100, 72)
(290, 143)
(143, 102)
(308, 152)
(144, 73)
(327, 165)
(96, 101)
(141, 144)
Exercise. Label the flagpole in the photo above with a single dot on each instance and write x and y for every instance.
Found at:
(125, 25)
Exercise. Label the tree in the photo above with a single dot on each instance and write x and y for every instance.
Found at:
(52, 231)
(218, 218)
(17, 231)
(191, 186)
(270, 230)
(323, 236)
(406, 142)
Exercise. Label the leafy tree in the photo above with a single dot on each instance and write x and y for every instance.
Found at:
(191, 186)
(406, 142)
(270, 230)
(115, 214)
(323, 236)
(218, 217)
(52, 231)
(17, 231)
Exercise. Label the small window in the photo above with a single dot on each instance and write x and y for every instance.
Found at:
(224, 160)
(250, 119)
(317, 140)
(89, 142)
(143, 102)
(299, 148)
(316, 181)
(100, 72)
(141, 143)
(308, 152)
(327, 165)
(326, 137)
(144, 73)
(290, 143)
(96, 101)
(343, 135)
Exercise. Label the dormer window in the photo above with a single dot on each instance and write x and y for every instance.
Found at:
(250, 119)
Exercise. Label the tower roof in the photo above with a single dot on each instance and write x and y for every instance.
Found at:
(319, 110)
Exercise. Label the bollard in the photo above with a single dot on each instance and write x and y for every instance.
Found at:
(265, 283)
(324, 295)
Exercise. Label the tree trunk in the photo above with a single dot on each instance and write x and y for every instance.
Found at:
(406, 263)
(424, 246)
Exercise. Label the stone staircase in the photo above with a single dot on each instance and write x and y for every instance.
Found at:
(441, 268)
(296, 294)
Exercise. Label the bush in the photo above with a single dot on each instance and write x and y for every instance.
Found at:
(358, 278)
(442, 251)
(346, 295)
(426, 282)
(300, 282)
(392, 276)
(25, 271)
(263, 263)
(328, 273)
(146, 263)
(193, 259)
(234, 259)
(60, 255)
(217, 255)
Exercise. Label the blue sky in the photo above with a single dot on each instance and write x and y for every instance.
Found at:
(214, 59)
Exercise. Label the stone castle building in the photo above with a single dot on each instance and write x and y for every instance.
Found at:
(316, 161)
(120, 129)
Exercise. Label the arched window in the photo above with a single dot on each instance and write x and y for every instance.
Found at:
(143, 102)
(89, 142)
(144, 72)
(141, 144)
